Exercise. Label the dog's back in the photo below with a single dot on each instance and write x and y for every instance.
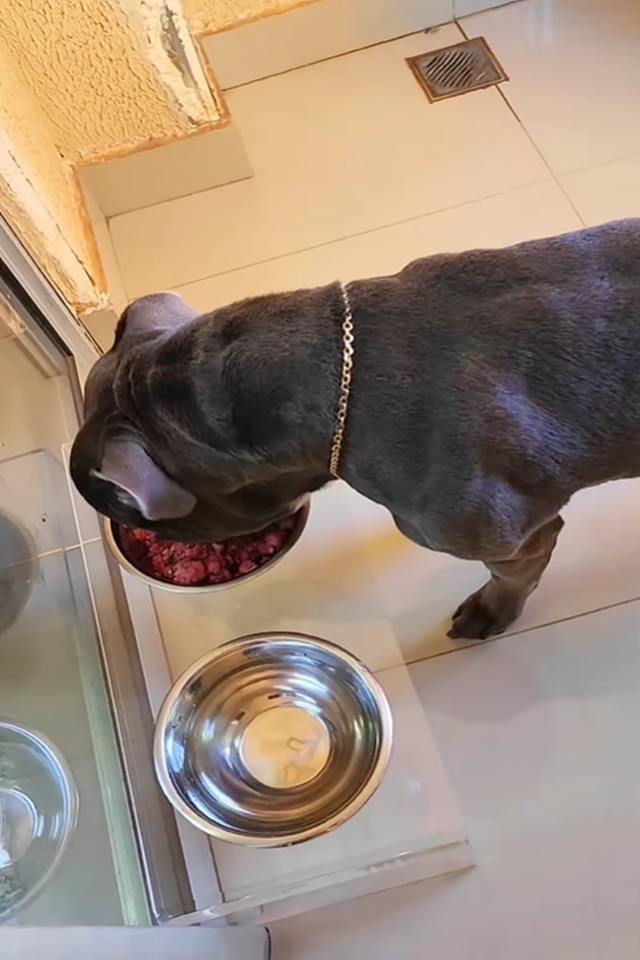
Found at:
(521, 364)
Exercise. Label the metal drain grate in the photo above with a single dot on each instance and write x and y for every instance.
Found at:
(457, 69)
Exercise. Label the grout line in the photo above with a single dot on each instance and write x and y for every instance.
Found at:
(554, 177)
(354, 236)
(116, 257)
(158, 622)
(635, 155)
(472, 644)
(72, 546)
(338, 56)
(55, 551)
(529, 137)
(481, 11)
(183, 196)
(269, 76)
(46, 554)
(84, 543)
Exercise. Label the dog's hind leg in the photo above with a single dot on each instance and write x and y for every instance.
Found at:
(490, 610)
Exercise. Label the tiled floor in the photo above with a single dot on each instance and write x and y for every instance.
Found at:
(355, 174)
(539, 735)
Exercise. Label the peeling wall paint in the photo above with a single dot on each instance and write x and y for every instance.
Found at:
(208, 16)
(171, 52)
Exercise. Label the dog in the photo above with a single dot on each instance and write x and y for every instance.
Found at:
(487, 388)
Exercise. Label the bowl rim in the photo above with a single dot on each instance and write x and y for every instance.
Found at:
(295, 836)
(71, 802)
(108, 527)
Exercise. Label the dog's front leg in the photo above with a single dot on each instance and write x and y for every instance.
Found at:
(490, 610)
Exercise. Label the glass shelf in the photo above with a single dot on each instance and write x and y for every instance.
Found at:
(332, 585)
(51, 674)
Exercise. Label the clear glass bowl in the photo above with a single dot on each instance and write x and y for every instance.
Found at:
(38, 814)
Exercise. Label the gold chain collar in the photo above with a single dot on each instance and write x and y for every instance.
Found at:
(345, 383)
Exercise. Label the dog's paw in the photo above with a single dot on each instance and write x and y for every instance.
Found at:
(482, 615)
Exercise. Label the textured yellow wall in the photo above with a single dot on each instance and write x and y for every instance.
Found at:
(82, 80)
(97, 73)
(207, 16)
(38, 191)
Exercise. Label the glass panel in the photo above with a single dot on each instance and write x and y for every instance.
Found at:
(51, 678)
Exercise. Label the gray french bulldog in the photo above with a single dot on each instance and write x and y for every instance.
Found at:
(488, 387)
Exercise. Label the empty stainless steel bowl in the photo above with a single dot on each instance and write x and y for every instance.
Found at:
(273, 739)
(110, 530)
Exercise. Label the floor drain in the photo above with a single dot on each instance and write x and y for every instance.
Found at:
(457, 69)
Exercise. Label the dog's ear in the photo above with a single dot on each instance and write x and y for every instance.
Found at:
(156, 496)
(152, 314)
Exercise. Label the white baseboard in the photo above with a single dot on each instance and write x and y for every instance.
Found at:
(174, 170)
(102, 323)
(142, 179)
(318, 31)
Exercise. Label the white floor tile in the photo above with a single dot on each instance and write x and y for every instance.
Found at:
(574, 74)
(338, 148)
(607, 192)
(34, 495)
(412, 812)
(386, 599)
(31, 414)
(536, 211)
(596, 564)
(327, 586)
(313, 32)
(539, 736)
(463, 8)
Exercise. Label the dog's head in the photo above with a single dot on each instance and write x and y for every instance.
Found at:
(191, 428)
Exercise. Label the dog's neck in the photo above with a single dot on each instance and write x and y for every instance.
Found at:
(284, 368)
(272, 365)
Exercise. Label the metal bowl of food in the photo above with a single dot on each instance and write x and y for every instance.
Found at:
(38, 814)
(273, 739)
(204, 567)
